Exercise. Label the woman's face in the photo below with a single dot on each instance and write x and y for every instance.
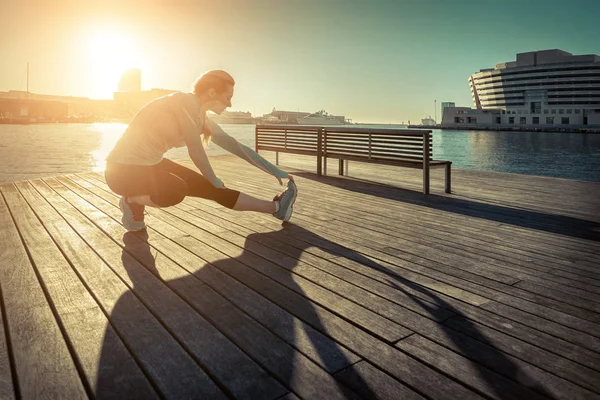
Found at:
(220, 101)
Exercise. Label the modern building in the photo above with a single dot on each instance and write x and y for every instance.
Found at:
(548, 88)
(446, 104)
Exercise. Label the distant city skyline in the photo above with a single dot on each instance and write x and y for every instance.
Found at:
(372, 61)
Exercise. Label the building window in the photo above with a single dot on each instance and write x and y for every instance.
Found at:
(535, 120)
(561, 111)
(545, 111)
(472, 120)
(498, 120)
(553, 111)
(523, 120)
(569, 111)
(564, 120)
(459, 120)
(511, 120)
(503, 111)
(550, 120)
(577, 111)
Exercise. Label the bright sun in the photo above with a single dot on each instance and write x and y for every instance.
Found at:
(110, 54)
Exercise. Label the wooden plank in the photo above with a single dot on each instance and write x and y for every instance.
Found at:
(568, 333)
(158, 353)
(405, 368)
(557, 365)
(104, 358)
(214, 352)
(369, 382)
(44, 367)
(368, 320)
(283, 244)
(7, 388)
(395, 363)
(394, 206)
(551, 303)
(494, 374)
(280, 359)
(545, 314)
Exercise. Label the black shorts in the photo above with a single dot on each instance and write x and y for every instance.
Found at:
(167, 183)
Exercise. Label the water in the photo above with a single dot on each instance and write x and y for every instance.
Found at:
(32, 151)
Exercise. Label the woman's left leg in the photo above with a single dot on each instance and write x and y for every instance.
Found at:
(199, 186)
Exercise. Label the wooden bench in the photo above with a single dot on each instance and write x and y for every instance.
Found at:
(401, 147)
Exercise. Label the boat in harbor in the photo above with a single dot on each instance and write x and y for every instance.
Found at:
(319, 119)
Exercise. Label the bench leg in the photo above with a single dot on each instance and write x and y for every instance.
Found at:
(276, 158)
(448, 179)
(425, 180)
(341, 171)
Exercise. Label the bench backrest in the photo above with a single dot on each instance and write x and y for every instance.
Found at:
(296, 139)
(376, 144)
(346, 142)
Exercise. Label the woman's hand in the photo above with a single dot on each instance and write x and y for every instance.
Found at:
(291, 178)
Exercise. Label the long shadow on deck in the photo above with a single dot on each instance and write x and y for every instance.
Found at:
(475, 346)
(559, 224)
(281, 357)
(278, 357)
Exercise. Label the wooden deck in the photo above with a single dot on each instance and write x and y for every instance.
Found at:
(373, 291)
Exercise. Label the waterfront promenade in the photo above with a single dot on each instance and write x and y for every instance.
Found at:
(374, 290)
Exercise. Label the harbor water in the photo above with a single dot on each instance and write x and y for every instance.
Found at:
(32, 151)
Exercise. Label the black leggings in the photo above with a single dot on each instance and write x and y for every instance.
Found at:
(167, 183)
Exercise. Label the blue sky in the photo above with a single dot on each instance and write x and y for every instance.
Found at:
(373, 61)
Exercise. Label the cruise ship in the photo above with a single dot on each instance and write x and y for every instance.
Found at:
(542, 88)
(320, 119)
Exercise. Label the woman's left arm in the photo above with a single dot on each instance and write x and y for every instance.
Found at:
(223, 140)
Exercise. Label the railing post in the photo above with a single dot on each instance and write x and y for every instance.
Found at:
(324, 153)
(256, 138)
(448, 179)
(426, 162)
(319, 152)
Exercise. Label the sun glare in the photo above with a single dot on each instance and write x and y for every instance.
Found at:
(110, 54)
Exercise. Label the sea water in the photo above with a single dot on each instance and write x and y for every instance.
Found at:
(39, 150)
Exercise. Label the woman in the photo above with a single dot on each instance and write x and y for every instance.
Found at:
(137, 171)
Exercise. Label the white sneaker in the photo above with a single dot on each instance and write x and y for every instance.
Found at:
(133, 215)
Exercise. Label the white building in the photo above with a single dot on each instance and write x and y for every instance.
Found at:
(549, 88)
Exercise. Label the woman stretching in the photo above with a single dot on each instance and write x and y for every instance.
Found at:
(137, 171)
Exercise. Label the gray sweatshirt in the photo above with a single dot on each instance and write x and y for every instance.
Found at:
(177, 120)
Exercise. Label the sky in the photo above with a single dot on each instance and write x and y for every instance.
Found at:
(371, 60)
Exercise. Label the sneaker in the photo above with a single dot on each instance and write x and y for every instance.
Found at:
(286, 202)
(133, 215)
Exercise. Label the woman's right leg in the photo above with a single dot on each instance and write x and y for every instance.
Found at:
(140, 186)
